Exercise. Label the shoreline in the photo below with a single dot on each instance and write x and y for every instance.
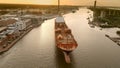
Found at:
(16, 40)
(114, 39)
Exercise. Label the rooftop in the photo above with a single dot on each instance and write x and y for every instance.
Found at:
(7, 22)
(2, 28)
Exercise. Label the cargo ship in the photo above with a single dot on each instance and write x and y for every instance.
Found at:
(64, 39)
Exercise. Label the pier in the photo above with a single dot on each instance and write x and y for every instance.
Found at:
(114, 39)
(15, 30)
(9, 45)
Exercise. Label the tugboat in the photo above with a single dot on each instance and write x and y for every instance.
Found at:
(64, 39)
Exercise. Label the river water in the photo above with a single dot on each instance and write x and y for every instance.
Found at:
(37, 49)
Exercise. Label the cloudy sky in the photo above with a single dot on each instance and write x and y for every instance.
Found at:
(65, 2)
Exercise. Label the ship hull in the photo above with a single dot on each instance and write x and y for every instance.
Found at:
(64, 39)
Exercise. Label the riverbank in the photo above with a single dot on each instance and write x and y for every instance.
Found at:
(107, 25)
(114, 39)
(107, 22)
(9, 45)
(103, 24)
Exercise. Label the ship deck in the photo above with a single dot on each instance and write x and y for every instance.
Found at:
(64, 38)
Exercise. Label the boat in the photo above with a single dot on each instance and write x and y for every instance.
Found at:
(64, 39)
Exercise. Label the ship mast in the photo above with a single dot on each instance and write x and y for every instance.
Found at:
(95, 2)
(58, 6)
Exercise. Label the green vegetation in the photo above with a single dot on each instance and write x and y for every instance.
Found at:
(111, 22)
(103, 20)
(107, 20)
(25, 6)
(47, 9)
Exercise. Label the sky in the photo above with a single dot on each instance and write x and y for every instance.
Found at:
(65, 2)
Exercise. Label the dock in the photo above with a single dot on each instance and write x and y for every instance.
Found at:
(114, 39)
(15, 41)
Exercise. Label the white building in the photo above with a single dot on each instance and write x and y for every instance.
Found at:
(21, 25)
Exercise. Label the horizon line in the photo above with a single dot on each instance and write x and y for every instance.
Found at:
(52, 4)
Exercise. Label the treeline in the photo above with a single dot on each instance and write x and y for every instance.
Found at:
(24, 6)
